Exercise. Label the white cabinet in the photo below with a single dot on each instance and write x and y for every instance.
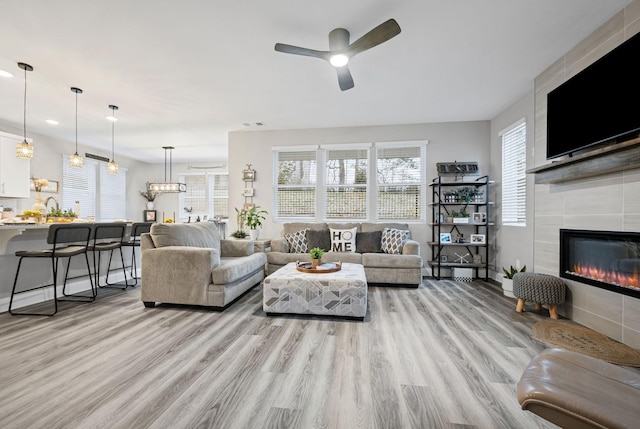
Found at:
(15, 172)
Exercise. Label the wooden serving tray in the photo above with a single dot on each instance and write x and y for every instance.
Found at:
(327, 267)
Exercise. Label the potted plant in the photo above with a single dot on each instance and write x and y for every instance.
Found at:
(315, 254)
(7, 212)
(507, 279)
(255, 216)
(240, 219)
(460, 217)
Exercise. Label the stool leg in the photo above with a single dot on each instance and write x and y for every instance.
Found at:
(538, 306)
(520, 305)
(553, 311)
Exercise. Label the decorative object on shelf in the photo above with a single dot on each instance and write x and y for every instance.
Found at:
(477, 259)
(75, 160)
(112, 166)
(7, 212)
(316, 255)
(254, 218)
(457, 168)
(248, 192)
(445, 237)
(152, 216)
(478, 239)
(460, 217)
(150, 196)
(168, 186)
(480, 218)
(24, 149)
(249, 174)
(51, 187)
(462, 259)
(444, 258)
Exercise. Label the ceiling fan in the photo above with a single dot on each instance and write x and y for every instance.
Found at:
(340, 51)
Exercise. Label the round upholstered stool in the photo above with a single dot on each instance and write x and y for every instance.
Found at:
(539, 288)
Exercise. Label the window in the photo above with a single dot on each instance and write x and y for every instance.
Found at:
(400, 178)
(295, 184)
(207, 194)
(99, 193)
(346, 172)
(514, 164)
(344, 185)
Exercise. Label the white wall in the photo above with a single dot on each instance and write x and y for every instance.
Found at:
(513, 242)
(456, 141)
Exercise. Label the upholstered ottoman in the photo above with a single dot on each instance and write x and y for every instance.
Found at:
(341, 293)
(540, 289)
(573, 390)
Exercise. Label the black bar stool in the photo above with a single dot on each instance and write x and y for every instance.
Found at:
(108, 236)
(137, 229)
(68, 240)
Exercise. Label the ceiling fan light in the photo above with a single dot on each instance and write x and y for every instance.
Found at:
(339, 60)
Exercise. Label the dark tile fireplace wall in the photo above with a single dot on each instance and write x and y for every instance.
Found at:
(605, 259)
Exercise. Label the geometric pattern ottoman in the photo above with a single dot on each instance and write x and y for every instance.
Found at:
(341, 293)
(539, 288)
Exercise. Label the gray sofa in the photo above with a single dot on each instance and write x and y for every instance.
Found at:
(189, 264)
(404, 268)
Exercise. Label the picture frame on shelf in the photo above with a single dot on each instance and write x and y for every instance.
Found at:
(479, 217)
(51, 188)
(477, 259)
(445, 237)
(150, 215)
(248, 192)
(478, 239)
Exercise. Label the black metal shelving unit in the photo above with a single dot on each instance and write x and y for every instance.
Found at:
(451, 196)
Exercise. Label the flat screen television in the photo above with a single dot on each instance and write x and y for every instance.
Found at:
(591, 109)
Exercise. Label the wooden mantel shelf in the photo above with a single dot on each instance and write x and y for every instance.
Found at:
(609, 159)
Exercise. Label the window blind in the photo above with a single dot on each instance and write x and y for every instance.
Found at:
(113, 190)
(295, 187)
(207, 194)
(399, 183)
(514, 180)
(346, 185)
(79, 184)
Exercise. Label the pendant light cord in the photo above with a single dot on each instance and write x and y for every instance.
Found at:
(76, 122)
(24, 121)
(113, 127)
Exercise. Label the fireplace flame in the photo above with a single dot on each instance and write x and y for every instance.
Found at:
(612, 277)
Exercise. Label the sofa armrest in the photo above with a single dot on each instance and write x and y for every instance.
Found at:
(146, 242)
(236, 248)
(411, 247)
(279, 244)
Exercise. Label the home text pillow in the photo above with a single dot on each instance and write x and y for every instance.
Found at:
(343, 240)
(298, 241)
(393, 240)
(369, 242)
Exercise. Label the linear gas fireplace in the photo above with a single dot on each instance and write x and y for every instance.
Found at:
(606, 259)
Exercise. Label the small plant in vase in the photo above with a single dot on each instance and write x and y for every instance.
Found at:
(315, 254)
(507, 280)
(255, 216)
(150, 196)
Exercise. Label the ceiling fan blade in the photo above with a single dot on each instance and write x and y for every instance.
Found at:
(296, 50)
(344, 78)
(378, 35)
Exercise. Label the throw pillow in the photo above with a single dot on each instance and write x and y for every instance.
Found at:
(369, 242)
(319, 238)
(393, 240)
(343, 240)
(298, 241)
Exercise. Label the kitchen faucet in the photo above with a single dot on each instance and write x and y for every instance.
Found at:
(46, 202)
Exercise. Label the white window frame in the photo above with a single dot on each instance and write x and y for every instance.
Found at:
(99, 193)
(316, 183)
(514, 176)
(371, 185)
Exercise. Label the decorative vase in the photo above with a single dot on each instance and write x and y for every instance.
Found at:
(39, 206)
(254, 234)
(315, 263)
(149, 205)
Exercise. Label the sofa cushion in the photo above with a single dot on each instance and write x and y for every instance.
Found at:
(234, 269)
(298, 241)
(393, 240)
(343, 240)
(321, 239)
(369, 242)
(199, 234)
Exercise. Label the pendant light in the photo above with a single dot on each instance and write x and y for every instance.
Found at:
(24, 149)
(75, 160)
(168, 186)
(112, 167)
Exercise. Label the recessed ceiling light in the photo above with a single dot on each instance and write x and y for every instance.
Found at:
(52, 122)
(5, 74)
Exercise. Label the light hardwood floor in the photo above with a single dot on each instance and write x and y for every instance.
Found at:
(445, 355)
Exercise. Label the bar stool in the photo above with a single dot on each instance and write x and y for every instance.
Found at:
(107, 237)
(68, 240)
(137, 229)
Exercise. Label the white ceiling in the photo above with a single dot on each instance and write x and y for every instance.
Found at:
(186, 73)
